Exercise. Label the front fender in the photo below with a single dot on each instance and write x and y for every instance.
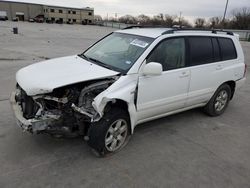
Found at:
(123, 89)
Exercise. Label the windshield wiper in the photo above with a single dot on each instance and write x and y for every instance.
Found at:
(100, 63)
(83, 56)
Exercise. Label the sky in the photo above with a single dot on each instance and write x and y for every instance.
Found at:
(190, 9)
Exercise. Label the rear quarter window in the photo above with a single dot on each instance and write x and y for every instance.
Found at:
(228, 50)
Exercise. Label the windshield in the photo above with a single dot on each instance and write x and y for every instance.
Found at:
(118, 51)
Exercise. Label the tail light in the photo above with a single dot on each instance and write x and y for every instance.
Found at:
(245, 71)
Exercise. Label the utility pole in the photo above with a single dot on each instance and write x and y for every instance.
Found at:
(225, 12)
(180, 20)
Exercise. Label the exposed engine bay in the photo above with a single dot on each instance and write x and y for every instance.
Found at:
(67, 111)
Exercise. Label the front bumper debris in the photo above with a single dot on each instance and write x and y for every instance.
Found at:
(34, 125)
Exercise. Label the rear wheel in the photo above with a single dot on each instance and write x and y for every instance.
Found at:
(219, 102)
(111, 133)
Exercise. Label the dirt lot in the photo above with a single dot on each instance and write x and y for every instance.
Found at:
(184, 150)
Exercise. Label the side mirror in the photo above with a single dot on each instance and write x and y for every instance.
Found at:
(152, 69)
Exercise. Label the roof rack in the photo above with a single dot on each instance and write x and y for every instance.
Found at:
(144, 26)
(172, 30)
(215, 31)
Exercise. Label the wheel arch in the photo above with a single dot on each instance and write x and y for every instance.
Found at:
(119, 103)
(232, 85)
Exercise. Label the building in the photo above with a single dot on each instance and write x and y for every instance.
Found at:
(25, 11)
(64, 14)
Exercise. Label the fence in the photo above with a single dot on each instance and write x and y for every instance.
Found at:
(244, 34)
(116, 25)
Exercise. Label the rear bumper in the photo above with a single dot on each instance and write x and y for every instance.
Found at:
(34, 125)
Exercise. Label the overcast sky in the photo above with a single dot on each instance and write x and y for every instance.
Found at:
(189, 8)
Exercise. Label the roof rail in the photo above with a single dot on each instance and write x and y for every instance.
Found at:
(172, 30)
(144, 26)
(215, 31)
(133, 26)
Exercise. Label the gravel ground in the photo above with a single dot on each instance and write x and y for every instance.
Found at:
(189, 149)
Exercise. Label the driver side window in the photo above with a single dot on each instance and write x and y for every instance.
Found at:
(170, 53)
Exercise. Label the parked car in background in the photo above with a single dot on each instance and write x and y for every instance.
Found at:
(3, 16)
(31, 20)
(69, 22)
(129, 77)
(15, 19)
(39, 19)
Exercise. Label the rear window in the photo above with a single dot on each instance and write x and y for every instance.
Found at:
(201, 50)
(227, 49)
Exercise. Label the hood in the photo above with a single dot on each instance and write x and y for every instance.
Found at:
(44, 77)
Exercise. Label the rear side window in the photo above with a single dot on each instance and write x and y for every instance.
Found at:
(201, 50)
(227, 49)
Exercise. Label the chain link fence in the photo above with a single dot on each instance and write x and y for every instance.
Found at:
(244, 34)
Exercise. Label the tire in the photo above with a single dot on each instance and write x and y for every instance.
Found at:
(111, 133)
(219, 102)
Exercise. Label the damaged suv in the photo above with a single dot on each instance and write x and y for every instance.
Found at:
(129, 77)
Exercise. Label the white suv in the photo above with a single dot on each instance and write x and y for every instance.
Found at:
(129, 77)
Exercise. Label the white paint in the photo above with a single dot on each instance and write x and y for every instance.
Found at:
(46, 76)
(152, 69)
(158, 95)
(146, 32)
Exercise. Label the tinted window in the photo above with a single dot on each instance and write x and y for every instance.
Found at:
(227, 49)
(201, 50)
(170, 53)
(216, 50)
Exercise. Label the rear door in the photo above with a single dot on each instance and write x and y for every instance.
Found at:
(209, 67)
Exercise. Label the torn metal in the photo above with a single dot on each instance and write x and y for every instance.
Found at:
(63, 111)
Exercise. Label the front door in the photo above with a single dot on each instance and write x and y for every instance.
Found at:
(158, 95)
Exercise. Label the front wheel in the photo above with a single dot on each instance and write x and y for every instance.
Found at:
(111, 133)
(219, 102)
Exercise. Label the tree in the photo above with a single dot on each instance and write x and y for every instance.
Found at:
(200, 23)
(98, 18)
(128, 19)
(241, 18)
(158, 19)
(143, 19)
(184, 23)
(169, 20)
(214, 23)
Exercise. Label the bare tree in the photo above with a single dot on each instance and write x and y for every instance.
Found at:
(182, 22)
(169, 20)
(200, 22)
(214, 23)
(241, 18)
(98, 18)
(143, 19)
(128, 19)
(158, 19)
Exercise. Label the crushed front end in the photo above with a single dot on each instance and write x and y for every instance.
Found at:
(66, 111)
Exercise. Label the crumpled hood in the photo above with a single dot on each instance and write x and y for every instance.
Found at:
(44, 77)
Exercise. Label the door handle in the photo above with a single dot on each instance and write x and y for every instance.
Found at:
(184, 74)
